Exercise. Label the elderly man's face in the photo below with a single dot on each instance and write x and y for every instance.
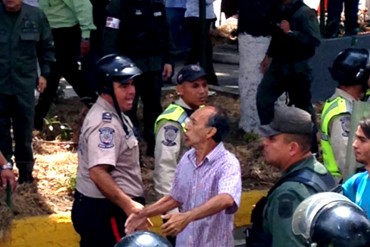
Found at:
(12, 5)
(197, 130)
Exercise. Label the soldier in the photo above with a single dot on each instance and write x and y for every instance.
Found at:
(170, 127)
(351, 69)
(287, 141)
(138, 29)
(286, 64)
(25, 37)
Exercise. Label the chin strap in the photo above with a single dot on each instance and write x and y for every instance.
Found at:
(118, 110)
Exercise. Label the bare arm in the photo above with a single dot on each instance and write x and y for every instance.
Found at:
(100, 176)
(163, 205)
(177, 222)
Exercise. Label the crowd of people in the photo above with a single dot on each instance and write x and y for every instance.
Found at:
(126, 52)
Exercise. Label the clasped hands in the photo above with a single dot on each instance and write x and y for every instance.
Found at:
(175, 223)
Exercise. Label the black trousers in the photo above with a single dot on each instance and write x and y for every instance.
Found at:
(17, 111)
(148, 88)
(335, 8)
(67, 52)
(99, 222)
(281, 78)
(193, 27)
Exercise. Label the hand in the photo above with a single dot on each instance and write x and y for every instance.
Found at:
(137, 222)
(167, 72)
(265, 64)
(84, 46)
(285, 26)
(175, 223)
(7, 176)
(41, 84)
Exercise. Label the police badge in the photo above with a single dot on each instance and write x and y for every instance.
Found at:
(106, 137)
(170, 134)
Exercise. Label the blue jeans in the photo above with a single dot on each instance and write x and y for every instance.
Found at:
(175, 20)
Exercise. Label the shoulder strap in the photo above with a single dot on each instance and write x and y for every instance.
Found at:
(317, 182)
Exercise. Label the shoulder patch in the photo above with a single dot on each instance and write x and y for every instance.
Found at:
(106, 137)
(107, 117)
(345, 123)
(170, 134)
(286, 206)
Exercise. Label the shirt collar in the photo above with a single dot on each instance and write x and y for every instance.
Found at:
(210, 158)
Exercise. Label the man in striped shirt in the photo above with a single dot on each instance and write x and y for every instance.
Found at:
(206, 188)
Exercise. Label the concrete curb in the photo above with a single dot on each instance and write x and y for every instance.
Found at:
(57, 231)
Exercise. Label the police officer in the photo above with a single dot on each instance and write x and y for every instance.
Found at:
(138, 29)
(287, 142)
(329, 219)
(351, 68)
(25, 37)
(170, 126)
(286, 64)
(109, 185)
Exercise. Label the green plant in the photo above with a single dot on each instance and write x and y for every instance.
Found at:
(56, 130)
(250, 137)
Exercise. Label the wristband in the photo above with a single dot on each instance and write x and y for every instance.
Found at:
(7, 166)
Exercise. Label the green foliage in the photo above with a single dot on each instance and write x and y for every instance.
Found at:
(72, 178)
(250, 137)
(56, 130)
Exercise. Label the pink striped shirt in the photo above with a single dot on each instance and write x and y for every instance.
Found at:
(194, 185)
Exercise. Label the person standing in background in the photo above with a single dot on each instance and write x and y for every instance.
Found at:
(138, 29)
(194, 28)
(25, 39)
(71, 22)
(335, 8)
(256, 22)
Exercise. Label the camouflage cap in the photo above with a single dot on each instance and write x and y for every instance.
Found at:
(290, 120)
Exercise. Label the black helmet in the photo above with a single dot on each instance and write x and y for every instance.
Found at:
(143, 239)
(330, 219)
(115, 67)
(351, 67)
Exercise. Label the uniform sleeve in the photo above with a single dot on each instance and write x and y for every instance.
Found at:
(104, 145)
(230, 183)
(83, 12)
(309, 29)
(166, 156)
(280, 209)
(45, 47)
(112, 25)
(339, 132)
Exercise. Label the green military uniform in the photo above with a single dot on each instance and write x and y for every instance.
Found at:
(281, 203)
(335, 127)
(139, 30)
(289, 70)
(25, 37)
